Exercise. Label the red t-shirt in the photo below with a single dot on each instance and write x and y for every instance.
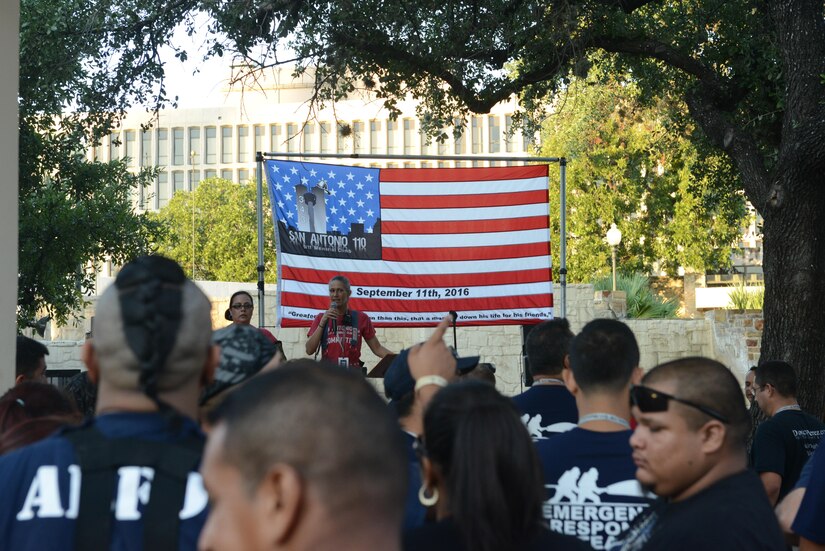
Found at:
(270, 337)
(339, 338)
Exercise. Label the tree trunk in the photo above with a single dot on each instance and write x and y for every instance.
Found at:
(794, 265)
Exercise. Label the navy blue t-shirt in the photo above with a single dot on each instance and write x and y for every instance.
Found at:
(810, 520)
(590, 479)
(547, 410)
(40, 489)
(733, 514)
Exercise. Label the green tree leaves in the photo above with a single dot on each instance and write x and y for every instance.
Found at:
(639, 164)
(81, 64)
(225, 231)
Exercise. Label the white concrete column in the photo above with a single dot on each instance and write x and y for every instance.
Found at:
(9, 68)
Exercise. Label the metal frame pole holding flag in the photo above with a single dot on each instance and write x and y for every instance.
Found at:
(259, 157)
(563, 236)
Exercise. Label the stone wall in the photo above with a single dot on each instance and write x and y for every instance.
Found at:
(737, 336)
(664, 340)
(729, 336)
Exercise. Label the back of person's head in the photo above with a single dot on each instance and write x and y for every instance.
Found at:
(710, 384)
(83, 392)
(28, 355)
(31, 431)
(780, 375)
(31, 411)
(484, 372)
(547, 345)
(603, 356)
(491, 470)
(331, 427)
(152, 328)
(30, 400)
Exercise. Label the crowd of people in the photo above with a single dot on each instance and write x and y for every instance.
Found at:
(306, 455)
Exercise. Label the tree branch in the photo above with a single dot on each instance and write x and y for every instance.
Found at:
(725, 95)
(740, 145)
(627, 6)
(419, 65)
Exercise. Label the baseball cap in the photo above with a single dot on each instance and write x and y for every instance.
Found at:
(398, 381)
(244, 351)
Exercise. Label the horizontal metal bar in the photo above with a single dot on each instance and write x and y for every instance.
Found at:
(412, 157)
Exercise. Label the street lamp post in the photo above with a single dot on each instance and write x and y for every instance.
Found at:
(192, 198)
(614, 237)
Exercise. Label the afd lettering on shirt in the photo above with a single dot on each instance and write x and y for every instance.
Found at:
(43, 499)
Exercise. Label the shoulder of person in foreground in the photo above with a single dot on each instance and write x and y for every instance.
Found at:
(733, 514)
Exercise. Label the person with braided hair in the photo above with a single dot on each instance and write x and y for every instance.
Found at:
(127, 478)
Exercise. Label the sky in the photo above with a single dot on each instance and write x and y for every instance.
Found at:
(201, 89)
(207, 87)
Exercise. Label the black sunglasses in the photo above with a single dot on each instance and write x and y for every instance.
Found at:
(653, 401)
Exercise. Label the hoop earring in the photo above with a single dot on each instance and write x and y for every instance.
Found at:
(427, 501)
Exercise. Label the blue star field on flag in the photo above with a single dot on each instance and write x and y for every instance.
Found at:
(351, 193)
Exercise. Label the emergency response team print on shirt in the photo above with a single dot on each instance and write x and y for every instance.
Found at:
(591, 488)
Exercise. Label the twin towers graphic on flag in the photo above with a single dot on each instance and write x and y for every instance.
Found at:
(335, 210)
(312, 209)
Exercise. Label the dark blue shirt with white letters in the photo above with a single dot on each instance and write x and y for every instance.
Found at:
(40, 489)
(591, 487)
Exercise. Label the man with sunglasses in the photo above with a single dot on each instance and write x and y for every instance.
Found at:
(592, 492)
(784, 442)
(689, 449)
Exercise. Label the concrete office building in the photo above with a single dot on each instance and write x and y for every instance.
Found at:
(191, 144)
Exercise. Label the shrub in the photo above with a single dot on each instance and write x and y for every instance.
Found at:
(642, 302)
(746, 297)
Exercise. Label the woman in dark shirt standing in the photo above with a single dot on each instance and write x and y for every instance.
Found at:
(482, 475)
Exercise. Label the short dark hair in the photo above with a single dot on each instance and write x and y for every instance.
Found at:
(328, 424)
(780, 375)
(484, 372)
(493, 476)
(710, 384)
(404, 405)
(547, 345)
(603, 355)
(29, 352)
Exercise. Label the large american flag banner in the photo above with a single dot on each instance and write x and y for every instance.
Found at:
(415, 243)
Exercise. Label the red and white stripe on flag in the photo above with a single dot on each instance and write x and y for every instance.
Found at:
(472, 240)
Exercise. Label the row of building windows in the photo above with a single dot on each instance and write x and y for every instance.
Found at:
(169, 182)
(188, 154)
(221, 145)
